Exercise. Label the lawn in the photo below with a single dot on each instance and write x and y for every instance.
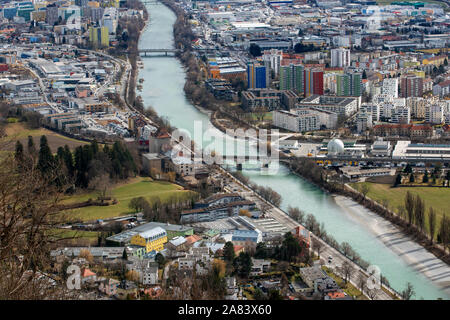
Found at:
(18, 131)
(437, 197)
(137, 187)
(74, 236)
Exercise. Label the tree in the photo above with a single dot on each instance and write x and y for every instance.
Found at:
(362, 282)
(432, 223)
(398, 180)
(138, 204)
(30, 146)
(317, 246)
(45, 160)
(425, 177)
(30, 216)
(159, 258)
(261, 251)
(258, 294)
(444, 231)
(290, 248)
(365, 189)
(243, 264)
(347, 270)
(409, 206)
(18, 155)
(419, 213)
(296, 214)
(408, 292)
(274, 294)
(101, 184)
(124, 254)
(408, 169)
(86, 254)
(132, 275)
(371, 293)
(255, 50)
(228, 251)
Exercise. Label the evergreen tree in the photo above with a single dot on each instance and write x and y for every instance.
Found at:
(398, 180)
(18, 155)
(125, 254)
(68, 160)
(30, 147)
(45, 160)
(228, 252)
(243, 264)
(425, 177)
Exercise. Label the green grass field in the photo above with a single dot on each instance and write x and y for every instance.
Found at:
(138, 187)
(76, 235)
(436, 197)
(18, 131)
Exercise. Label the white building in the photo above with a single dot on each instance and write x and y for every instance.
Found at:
(390, 87)
(434, 114)
(401, 114)
(373, 109)
(273, 58)
(340, 58)
(364, 121)
(304, 119)
(110, 19)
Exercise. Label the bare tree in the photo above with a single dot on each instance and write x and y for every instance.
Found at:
(317, 246)
(102, 185)
(365, 189)
(362, 282)
(419, 213)
(432, 223)
(371, 293)
(28, 215)
(409, 206)
(409, 292)
(347, 270)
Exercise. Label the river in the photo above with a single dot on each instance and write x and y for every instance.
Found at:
(163, 90)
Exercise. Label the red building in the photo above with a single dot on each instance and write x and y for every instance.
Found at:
(313, 80)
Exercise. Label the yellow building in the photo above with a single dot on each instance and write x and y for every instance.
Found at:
(38, 15)
(93, 4)
(153, 239)
(99, 36)
(436, 61)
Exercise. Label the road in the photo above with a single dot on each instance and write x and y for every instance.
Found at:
(283, 218)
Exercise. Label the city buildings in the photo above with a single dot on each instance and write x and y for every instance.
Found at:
(153, 239)
(313, 82)
(349, 84)
(304, 119)
(340, 57)
(411, 86)
(257, 76)
(217, 207)
(339, 105)
(292, 78)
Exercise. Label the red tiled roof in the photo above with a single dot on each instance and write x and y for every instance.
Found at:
(87, 273)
